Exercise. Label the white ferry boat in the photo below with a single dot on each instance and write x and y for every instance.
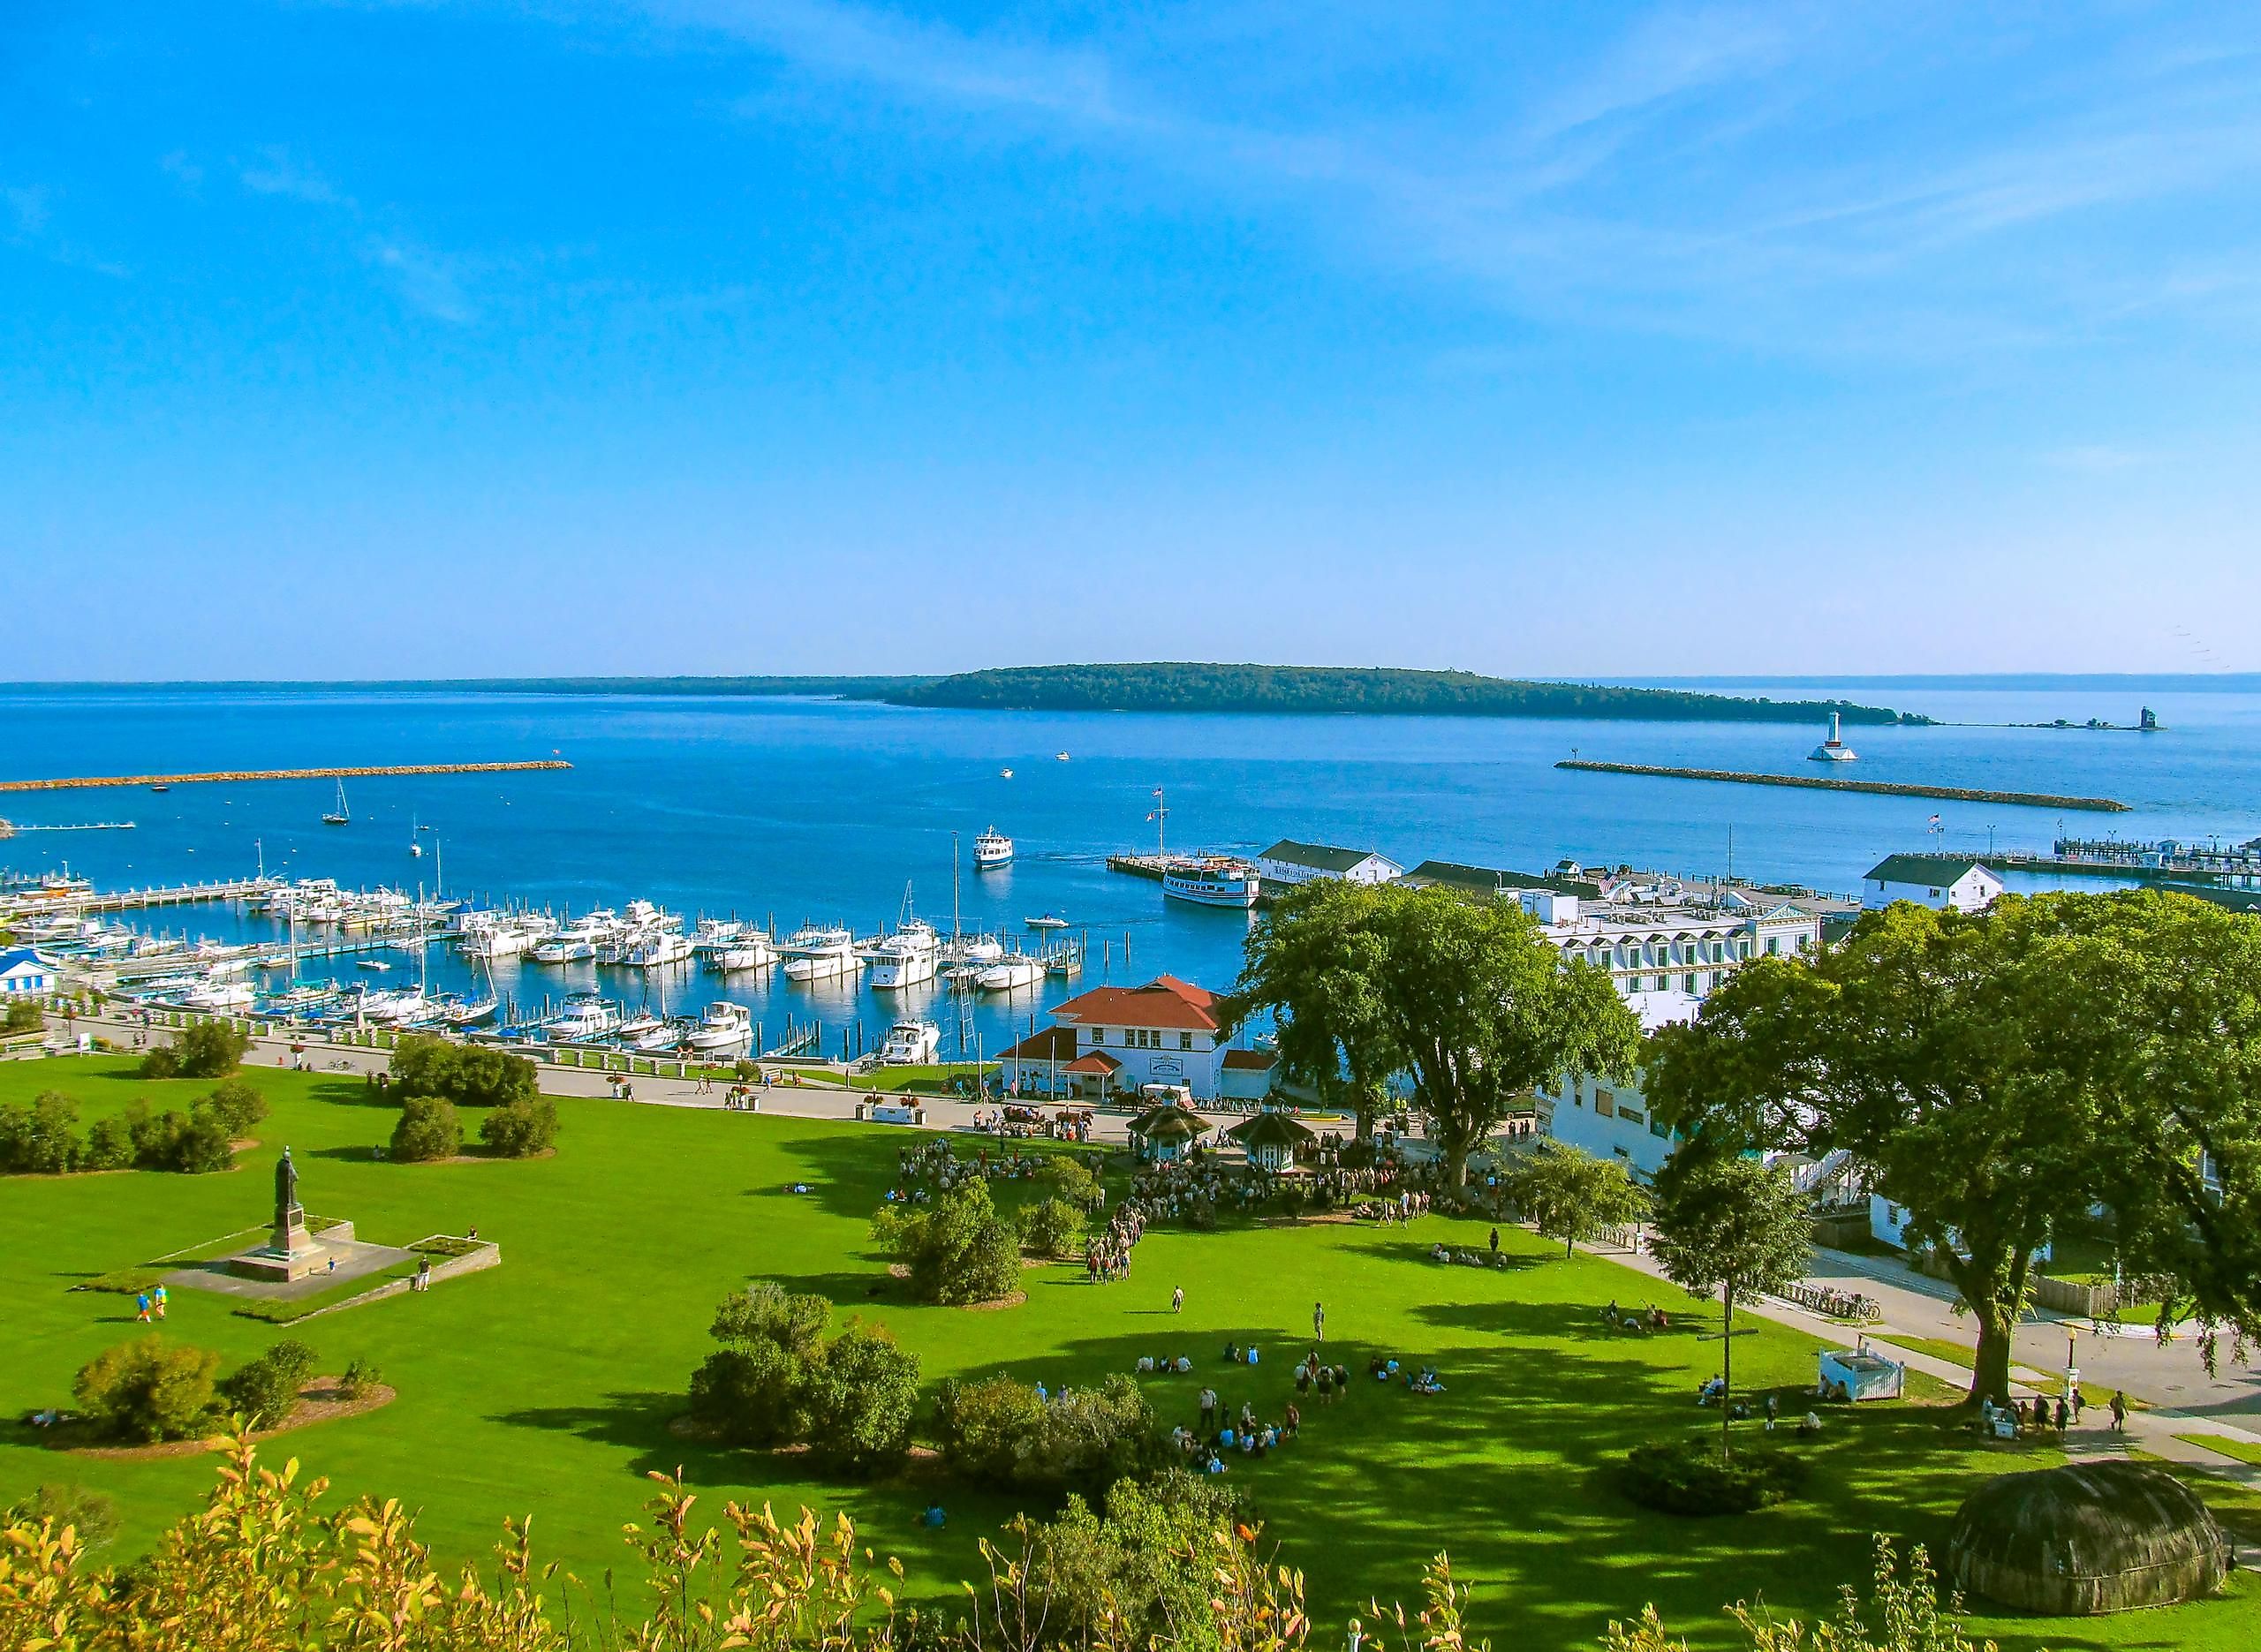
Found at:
(1015, 972)
(819, 954)
(911, 1043)
(992, 849)
(724, 1027)
(905, 958)
(1211, 880)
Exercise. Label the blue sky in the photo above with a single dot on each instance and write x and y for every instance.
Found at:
(721, 336)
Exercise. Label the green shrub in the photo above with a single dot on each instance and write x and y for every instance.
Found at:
(265, 1388)
(427, 1130)
(148, 1389)
(360, 1376)
(198, 1144)
(238, 1105)
(24, 1015)
(123, 1281)
(958, 1250)
(41, 1137)
(466, 1074)
(1066, 1177)
(159, 1060)
(1686, 1476)
(109, 1145)
(857, 1402)
(751, 1390)
(92, 1515)
(997, 1432)
(211, 1049)
(1053, 1228)
(522, 1129)
(1150, 1562)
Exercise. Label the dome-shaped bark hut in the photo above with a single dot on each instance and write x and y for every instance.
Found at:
(2087, 1538)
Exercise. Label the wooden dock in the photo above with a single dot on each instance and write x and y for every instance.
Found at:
(82, 783)
(135, 900)
(1883, 789)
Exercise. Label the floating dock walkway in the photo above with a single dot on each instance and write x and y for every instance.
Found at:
(1885, 788)
(362, 771)
(86, 901)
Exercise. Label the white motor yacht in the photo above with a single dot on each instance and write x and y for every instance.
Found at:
(226, 996)
(723, 1028)
(585, 1016)
(905, 958)
(1015, 972)
(819, 954)
(750, 951)
(654, 948)
(911, 1043)
(578, 941)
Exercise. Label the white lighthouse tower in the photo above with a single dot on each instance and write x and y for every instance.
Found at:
(1834, 749)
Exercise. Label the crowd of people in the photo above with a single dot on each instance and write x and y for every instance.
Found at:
(1108, 1254)
(929, 1167)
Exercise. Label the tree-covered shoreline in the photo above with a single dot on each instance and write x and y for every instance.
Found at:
(1183, 686)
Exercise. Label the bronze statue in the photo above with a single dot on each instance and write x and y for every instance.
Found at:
(286, 1190)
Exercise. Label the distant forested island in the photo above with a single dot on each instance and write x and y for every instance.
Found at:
(1178, 686)
(1166, 686)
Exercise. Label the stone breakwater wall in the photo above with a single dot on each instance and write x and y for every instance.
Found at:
(1885, 788)
(80, 783)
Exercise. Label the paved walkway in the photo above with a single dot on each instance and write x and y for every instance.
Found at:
(1924, 1314)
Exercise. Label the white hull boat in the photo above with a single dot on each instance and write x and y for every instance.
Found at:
(911, 1043)
(1014, 973)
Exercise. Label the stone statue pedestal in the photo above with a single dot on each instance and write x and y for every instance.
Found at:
(290, 1253)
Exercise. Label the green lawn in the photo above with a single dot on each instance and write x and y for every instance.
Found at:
(548, 1384)
(2240, 1450)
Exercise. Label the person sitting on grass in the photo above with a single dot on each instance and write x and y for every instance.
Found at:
(1427, 1383)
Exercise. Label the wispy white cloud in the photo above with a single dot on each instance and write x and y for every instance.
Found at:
(1789, 175)
(277, 171)
(27, 221)
(428, 281)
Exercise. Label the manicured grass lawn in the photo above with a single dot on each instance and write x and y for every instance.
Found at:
(2239, 1450)
(548, 1384)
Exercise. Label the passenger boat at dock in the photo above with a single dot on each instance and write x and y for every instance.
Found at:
(1211, 880)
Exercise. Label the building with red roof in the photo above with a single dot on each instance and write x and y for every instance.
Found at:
(1115, 1040)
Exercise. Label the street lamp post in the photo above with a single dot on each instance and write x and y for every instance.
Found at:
(2072, 1365)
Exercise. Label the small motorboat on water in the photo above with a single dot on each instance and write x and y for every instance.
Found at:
(1015, 972)
(371, 963)
(1048, 922)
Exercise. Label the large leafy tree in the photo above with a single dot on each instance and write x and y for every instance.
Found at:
(1570, 1195)
(1318, 962)
(1726, 1222)
(1467, 997)
(2001, 1077)
(1484, 1008)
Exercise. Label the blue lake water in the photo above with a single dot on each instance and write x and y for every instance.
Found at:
(823, 810)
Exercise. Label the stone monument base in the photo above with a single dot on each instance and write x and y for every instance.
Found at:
(289, 1254)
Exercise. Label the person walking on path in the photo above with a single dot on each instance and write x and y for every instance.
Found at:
(2079, 1401)
(2119, 1411)
(1495, 1241)
(162, 1298)
(1318, 1322)
(141, 1302)
(1177, 1301)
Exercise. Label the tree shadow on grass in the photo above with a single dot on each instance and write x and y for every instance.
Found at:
(1508, 1263)
(638, 1422)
